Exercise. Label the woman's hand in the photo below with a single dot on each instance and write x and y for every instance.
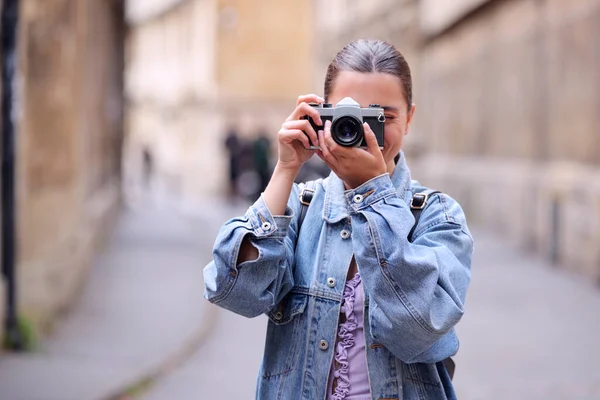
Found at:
(353, 165)
(296, 134)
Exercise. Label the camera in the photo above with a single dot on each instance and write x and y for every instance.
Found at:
(347, 119)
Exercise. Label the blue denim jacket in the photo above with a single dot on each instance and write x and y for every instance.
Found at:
(414, 292)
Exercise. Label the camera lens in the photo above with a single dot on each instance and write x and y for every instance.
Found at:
(347, 131)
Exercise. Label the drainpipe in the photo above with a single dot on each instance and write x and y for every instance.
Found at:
(8, 57)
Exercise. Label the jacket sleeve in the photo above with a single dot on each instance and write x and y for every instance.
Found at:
(416, 290)
(254, 287)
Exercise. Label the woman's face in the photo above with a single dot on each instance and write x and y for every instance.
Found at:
(385, 90)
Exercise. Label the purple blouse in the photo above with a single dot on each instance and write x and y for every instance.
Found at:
(349, 368)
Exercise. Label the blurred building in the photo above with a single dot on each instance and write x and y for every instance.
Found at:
(68, 119)
(507, 121)
(198, 68)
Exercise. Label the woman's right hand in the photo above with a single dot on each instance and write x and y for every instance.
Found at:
(296, 134)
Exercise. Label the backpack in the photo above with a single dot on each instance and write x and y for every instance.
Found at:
(417, 204)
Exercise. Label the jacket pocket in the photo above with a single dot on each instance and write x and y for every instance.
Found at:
(287, 322)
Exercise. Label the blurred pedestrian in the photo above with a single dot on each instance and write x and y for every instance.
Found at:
(247, 183)
(147, 167)
(233, 148)
(261, 150)
(364, 274)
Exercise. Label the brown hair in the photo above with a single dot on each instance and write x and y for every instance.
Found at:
(366, 55)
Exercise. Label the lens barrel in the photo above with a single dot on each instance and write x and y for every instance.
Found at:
(347, 131)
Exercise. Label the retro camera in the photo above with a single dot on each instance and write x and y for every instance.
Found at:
(347, 119)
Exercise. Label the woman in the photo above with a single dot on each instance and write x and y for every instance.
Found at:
(356, 309)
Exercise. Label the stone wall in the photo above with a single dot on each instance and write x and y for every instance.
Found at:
(507, 120)
(2, 281)
(69, 140)
(509, 108)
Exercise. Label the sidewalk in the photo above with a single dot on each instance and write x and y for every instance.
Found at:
(142, 303)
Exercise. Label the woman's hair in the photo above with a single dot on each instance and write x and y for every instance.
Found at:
(366, 55)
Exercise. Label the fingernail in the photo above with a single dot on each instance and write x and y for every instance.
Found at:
(327, 124)
(322, 100)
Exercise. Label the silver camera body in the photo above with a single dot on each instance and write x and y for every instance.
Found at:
(347, 118)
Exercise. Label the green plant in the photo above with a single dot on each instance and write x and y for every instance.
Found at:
(24, 338)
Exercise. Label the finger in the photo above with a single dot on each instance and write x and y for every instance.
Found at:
(322, 157)
(305, 109)
(305, 126)
(289, 135)
(332, 146)
(372, 145)
(309, 98)
(328, 157)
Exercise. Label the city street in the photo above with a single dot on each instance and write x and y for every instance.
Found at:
(530, 329)
(224, 367)
(141, 307)
(132, 130)
(530, 332)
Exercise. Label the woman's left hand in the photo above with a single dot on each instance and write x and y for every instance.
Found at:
(353, 165)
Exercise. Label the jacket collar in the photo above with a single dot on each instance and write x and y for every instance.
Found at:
(335, 205)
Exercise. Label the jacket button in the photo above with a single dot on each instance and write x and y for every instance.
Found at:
(278, 315)
(345, 234)
(323, 345)
(266, 226)
(358, 198)
(331, 282)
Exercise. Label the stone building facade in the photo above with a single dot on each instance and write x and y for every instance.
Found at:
(195, 69)
(69, 134)
(507, 121)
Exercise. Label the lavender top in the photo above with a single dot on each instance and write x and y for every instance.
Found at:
(349, 369)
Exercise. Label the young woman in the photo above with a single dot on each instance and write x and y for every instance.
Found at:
(357, 309)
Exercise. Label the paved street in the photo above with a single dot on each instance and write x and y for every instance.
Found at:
(225, 367)
(530, 331)
(142, 303)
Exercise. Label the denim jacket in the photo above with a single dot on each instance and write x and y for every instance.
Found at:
(414, 292)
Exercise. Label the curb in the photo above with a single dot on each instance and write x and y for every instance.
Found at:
(146, 380)
(140, 386)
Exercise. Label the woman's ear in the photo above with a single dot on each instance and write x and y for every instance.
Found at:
(409, 117)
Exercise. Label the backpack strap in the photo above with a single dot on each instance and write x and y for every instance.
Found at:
(306, 197)
(417, 205)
